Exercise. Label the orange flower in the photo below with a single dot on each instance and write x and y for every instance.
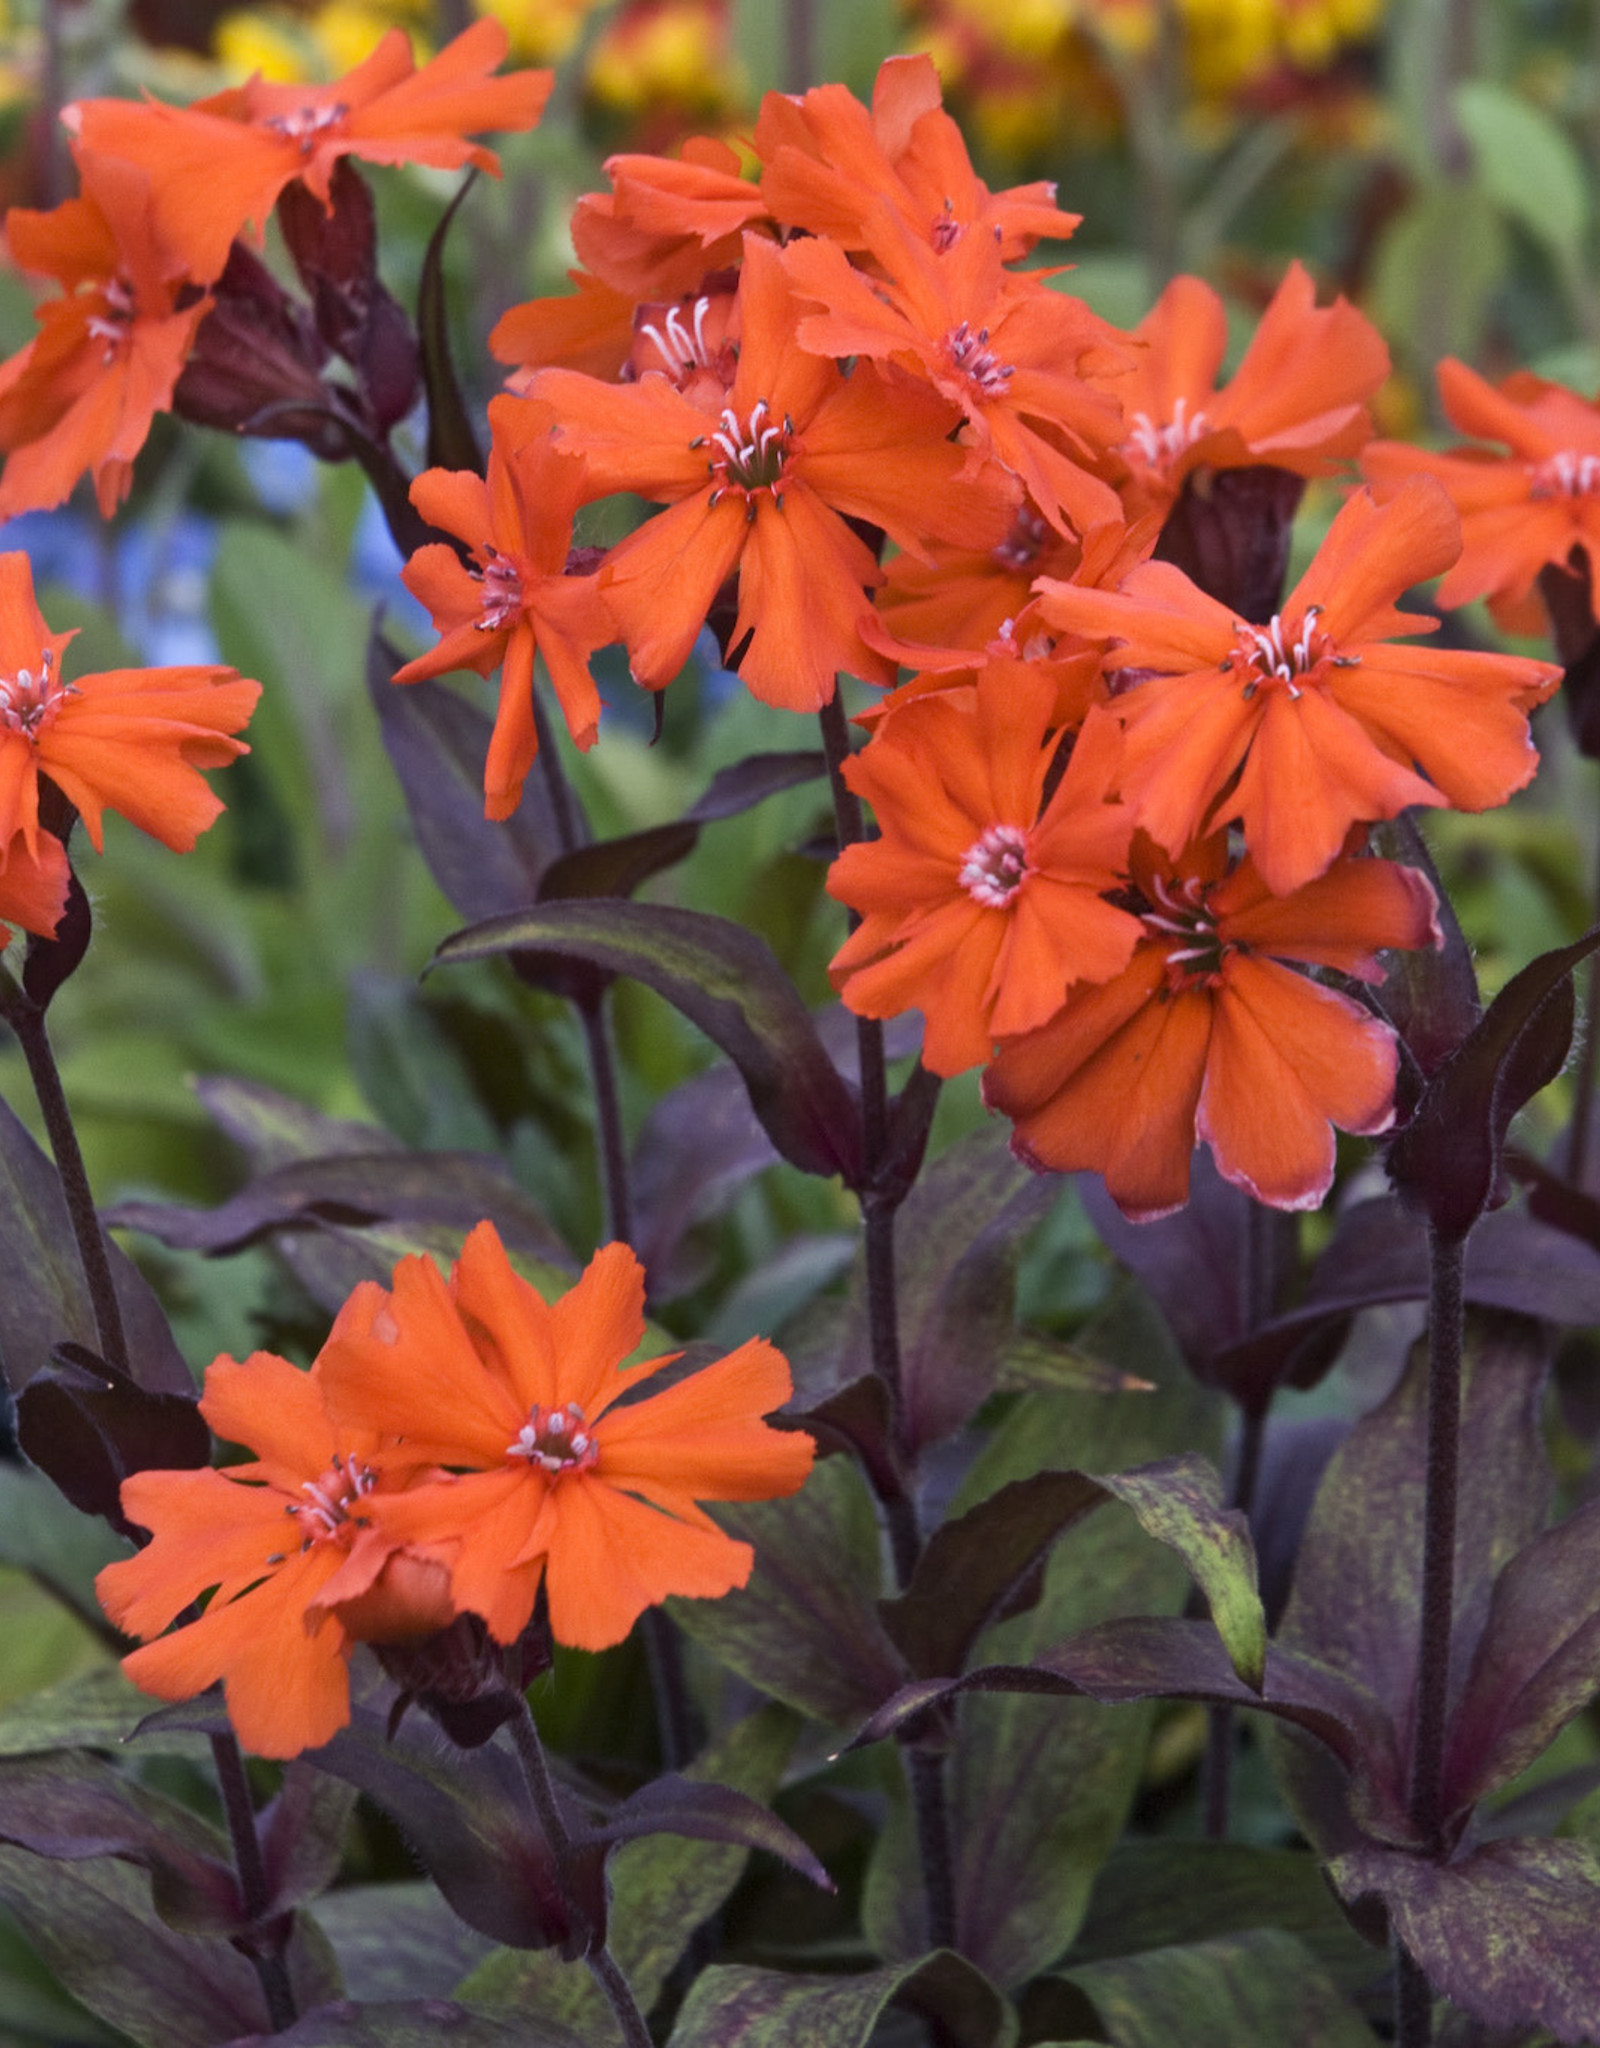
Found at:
(1518, 511)
(1310, 722)
(279, 1543)
(667, 225)
(559, 1479)
(799, 450)
(981, 902)
(1297, 400)
(130, 740)
(1206, 1035)
(827, 162)
(1011, 354)
(83, 392)
(223, 161)
(519, 600)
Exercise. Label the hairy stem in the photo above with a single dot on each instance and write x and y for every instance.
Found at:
(1584, 1072)
(602, 1964)
(27, 1020)
(1413, 2003)
(272, 1970)
(1445, 1333)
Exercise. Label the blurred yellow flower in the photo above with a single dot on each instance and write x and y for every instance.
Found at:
(667, 52)
(541, 31)
(284, 46)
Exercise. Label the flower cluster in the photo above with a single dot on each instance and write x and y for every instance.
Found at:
(165, 192)
(456, 1446)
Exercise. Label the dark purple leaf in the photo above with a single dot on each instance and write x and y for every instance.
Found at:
(455, 1189)
(412, 2023)
(451, 441)
(1294, 1456)
(1155, 1657)
(723, 979)
(43, 1299)
(859, 1419)
(1203, 1267)
(731, 2006)
(1357, 1591)
(1446, 1163)
(275, 1130)
(699, 1145)
(305, 1833)
(1430, 993)
(398, 1940)
(806, 1628)
(1165, 1894)
(469, 1817)
(70, 1807)
(1229, 533)
(751, 780)
(1507, 1932)
(616, 867)
(1537, 1662)
(89, 1427)
(1379, 1254)
(437, 743)
(1258, 1985)
(674, 1805)
(974, 1568)
(93, 1926)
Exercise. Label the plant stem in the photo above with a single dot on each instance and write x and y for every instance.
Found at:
(608, 1117)
(1447, 1259)
(1583, 1080)
(272, 1970)
(602, 1964)
(1445, 1334)
(929, 1801)
(27, 1021)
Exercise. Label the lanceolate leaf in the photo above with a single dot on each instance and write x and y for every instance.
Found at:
(1446, 1162)
(89, 1427)
(455, 1188)
(974, 1568)
(1357, 1586)
(806, 1628)
(451, 441)
(1537, 1663)
(43, 1299)
(745, 2008)
(674, 1805)
(1256, 1987)
(411, 2023)
(723, 979)
(1507, 1932)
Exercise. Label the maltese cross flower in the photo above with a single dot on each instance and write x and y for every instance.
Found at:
(1308, 723)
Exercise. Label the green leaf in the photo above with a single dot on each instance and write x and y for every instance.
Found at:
(98, 1709)
(1526, 164)
(1254, 1990)
(1437, 265)
(731, 2007)
(662, 1888)
(398, 1940)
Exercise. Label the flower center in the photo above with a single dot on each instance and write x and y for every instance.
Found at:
(1023, 545)
(502, 590)
(1566, 475)
(112, 323)
(994, 867)
(1180, 912)
(1267, 654)
(555, 1440)
(946, 230)
(305, 124)
(751, 455)
(1157, 446)
(971, 355)
(328, 1502)
(29, 702)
